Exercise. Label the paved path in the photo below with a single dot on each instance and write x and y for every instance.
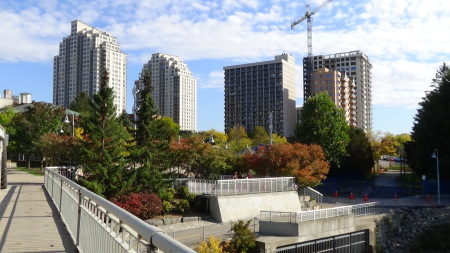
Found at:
(29, 220)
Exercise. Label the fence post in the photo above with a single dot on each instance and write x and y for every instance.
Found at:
(77, 243)
(60, 195)
(203, 233)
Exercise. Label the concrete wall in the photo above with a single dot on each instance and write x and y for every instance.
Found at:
(240, 207)
(277, 234)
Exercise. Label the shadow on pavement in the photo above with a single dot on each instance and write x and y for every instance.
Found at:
(66, 238)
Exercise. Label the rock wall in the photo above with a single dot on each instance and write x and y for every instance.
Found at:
(398, 231)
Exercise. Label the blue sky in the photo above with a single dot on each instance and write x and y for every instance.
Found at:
(404, 39)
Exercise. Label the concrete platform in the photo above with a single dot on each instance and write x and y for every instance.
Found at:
(29, 221)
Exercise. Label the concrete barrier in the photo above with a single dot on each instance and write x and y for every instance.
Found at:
(241, 207)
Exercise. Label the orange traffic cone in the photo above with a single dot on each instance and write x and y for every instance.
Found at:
(335, 194)
(366, 198)
(351, 196)
(395, 196)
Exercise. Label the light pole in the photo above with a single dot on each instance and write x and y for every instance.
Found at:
(433, 156)
(66, 120)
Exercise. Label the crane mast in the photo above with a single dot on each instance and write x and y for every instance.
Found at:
(308, 17)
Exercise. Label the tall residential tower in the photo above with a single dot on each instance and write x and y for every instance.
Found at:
(261, 94)
(174, 89)
(77, 67)
(357, 67)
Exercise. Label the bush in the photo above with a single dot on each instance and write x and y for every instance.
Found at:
(210, 246)
(166, 194)
(166, 206)
(182, 205)
(243, 240)
(143, 205)
(183, 193)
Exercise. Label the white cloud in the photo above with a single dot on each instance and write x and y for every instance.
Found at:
(213, 80)
(404, 39)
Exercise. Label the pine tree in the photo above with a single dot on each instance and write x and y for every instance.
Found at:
(151, 153)
(104, 145)
(431, 129)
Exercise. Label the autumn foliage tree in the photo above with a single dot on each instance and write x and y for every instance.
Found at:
(192, 156)
(307, 163)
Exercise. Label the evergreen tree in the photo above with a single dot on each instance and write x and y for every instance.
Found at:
(323, 123)
(81, 103)
(431, 129)
(104, 145)
(359, 162)
(151, 154)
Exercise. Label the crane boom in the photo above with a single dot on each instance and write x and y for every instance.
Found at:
(308, 17)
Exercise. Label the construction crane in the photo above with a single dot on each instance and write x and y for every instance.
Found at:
(310, 66)
(308, 17)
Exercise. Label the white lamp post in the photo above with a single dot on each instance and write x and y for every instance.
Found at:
(433, 156)
(66, 120)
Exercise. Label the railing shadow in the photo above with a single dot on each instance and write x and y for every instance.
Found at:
(67, 241)
(3, 206)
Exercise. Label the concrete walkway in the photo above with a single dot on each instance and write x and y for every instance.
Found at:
(29, 220)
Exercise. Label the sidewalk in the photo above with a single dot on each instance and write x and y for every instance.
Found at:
(29, 221)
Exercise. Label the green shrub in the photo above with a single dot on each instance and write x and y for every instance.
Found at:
(243, 240)
(182, 205)
(166, 194)
(183, 193)
(166, 206)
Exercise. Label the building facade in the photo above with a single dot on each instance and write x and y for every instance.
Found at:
(261, 94)
(77, 67)
(339, 88)
(174, 89)
(357, 68)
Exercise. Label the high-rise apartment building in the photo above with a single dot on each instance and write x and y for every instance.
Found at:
(174, 89)
(340, 89)
(358, 68)
(261, 94)
(77, 67)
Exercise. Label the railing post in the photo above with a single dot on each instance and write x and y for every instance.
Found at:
(60, 195)
(77, 243)
(203, 233)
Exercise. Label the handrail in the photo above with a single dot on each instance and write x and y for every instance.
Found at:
(90, 201)
(357, 210)
(308, 191)
(241, 186)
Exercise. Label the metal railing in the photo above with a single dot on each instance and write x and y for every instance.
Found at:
(193, 236)
(97, 225)
(308, 191)
(357, 210)
(241, 186)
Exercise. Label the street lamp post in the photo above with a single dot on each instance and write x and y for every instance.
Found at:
(66, 120)
(433, 156)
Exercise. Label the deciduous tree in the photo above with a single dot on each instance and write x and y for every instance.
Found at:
(37, 120)
(323, 123)
(305, 162)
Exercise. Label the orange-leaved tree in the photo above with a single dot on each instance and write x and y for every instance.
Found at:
(307, 163)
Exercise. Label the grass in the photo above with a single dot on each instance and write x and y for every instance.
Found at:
(32, 171)
(398, 167)
(409, 180)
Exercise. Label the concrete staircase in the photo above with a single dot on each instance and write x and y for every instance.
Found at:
(308, 204)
